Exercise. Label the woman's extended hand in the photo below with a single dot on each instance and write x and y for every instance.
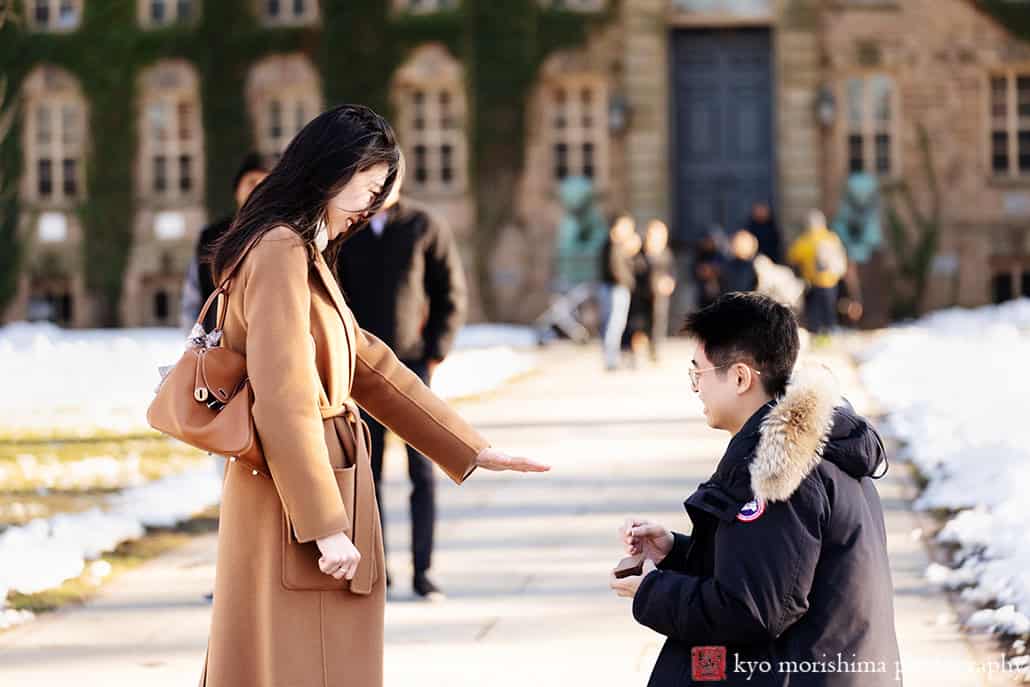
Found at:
(492, 459)
(340, 557)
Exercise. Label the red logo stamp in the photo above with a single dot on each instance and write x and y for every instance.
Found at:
(709, 663)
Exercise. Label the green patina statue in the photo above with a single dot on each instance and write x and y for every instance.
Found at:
(581, 233)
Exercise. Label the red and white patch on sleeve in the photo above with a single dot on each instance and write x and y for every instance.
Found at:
(751, 511)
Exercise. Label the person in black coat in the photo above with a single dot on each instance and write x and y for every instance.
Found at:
(784, 579)
(763, 225)
(709, 260)
(199, 284)
(403, 278)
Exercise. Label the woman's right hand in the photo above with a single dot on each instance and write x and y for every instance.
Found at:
(340, 557)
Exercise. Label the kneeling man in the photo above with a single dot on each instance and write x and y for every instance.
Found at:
(784, 579)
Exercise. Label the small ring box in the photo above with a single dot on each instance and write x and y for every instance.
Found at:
(629, 567)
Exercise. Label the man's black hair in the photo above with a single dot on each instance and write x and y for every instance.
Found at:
(252, 163)
(749, 328)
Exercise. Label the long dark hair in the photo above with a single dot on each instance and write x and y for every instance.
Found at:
(316, 165)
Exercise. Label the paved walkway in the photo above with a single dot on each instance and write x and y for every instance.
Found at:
(524, 558)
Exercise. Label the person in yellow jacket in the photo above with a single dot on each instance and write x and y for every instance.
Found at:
(819, 257)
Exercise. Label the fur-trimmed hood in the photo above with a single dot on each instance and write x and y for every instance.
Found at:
(809, 424)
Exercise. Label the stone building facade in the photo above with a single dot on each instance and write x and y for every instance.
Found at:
(732, 101)
(682, 110)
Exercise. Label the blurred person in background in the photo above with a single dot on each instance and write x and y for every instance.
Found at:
(617, 282)
(662, 264)
(404, 280)
(199, 284)
(764, 228)
(708, 263)
(819, 257)
(638, 322)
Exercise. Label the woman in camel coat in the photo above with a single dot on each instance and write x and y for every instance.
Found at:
(299, 586)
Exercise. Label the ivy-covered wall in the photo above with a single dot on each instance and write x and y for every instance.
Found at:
(357, 46)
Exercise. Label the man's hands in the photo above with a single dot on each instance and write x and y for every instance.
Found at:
(627, 586)
(498, 461)
(649, 538)
(641, 536)
(340, 557)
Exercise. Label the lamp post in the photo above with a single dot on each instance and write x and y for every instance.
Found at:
(619, 112)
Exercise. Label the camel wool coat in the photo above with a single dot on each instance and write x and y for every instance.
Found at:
(308, 363)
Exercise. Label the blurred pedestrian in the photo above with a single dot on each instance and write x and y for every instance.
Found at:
(662, 265)
(819, 257)
(739, 274)
(617, 282)
(404, 280)
(764, 228)
(708, 263)
(641, 300)
(199, 284)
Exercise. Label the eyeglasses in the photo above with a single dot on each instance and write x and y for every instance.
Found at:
(695, 374)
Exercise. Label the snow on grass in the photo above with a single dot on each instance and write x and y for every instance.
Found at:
(954, 386)
(45, 552)
(88, 383)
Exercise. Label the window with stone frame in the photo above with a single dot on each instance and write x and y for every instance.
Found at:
(287, 12)
(283, 94)
(573, 5)
(872, 120)
(429, 96)
(424, 6)
(55, 16)
(52, 297)
(576, 119)
(171, 154)
(54, 139)
(1010, 123)
(160, 296)
(160, 13)
(1010, 277)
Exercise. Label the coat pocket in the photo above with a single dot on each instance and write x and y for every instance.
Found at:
(300, 561)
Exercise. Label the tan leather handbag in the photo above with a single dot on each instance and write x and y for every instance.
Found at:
(205, 399)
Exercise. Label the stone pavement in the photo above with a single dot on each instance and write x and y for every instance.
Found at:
(524, 558)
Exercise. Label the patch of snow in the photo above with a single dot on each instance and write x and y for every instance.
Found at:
(954, 387)
(44, 553)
